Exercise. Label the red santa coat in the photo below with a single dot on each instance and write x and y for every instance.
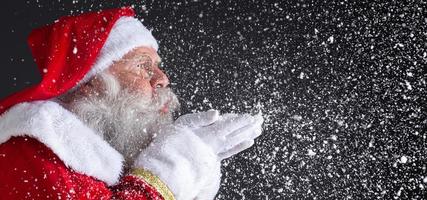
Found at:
(46, 152)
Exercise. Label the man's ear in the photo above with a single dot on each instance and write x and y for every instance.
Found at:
(88, 84)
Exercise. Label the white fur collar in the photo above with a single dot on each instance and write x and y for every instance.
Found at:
(78, 146)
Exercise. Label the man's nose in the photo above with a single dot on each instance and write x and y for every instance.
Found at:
(159, 79)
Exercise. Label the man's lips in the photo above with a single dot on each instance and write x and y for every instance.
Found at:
(165, 108)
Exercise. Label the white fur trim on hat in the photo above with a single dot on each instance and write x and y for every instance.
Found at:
(126, 34)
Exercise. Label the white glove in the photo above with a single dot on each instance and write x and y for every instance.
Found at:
(215, 130)
(181, 160)
(228, 134)
(185, 156)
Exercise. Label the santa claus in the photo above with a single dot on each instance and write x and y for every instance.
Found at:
(99, 125)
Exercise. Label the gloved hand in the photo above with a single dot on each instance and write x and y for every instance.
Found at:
(181, 160)
(228, 134)
(215, 130)
(187, 156)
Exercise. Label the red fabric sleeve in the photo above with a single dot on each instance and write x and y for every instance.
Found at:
(30, 170)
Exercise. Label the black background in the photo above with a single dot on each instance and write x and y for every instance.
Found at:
(341, 84)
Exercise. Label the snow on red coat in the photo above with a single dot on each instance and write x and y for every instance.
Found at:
(46, 152)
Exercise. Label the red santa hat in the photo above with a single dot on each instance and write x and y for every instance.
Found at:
(75, 48)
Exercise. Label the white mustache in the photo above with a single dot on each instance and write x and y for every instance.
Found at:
(165, 96)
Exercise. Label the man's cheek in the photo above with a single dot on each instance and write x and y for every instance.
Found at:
(140, 87)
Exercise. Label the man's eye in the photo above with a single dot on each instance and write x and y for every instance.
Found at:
(145, 68)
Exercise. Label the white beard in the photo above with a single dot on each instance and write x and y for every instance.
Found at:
(127, 121)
